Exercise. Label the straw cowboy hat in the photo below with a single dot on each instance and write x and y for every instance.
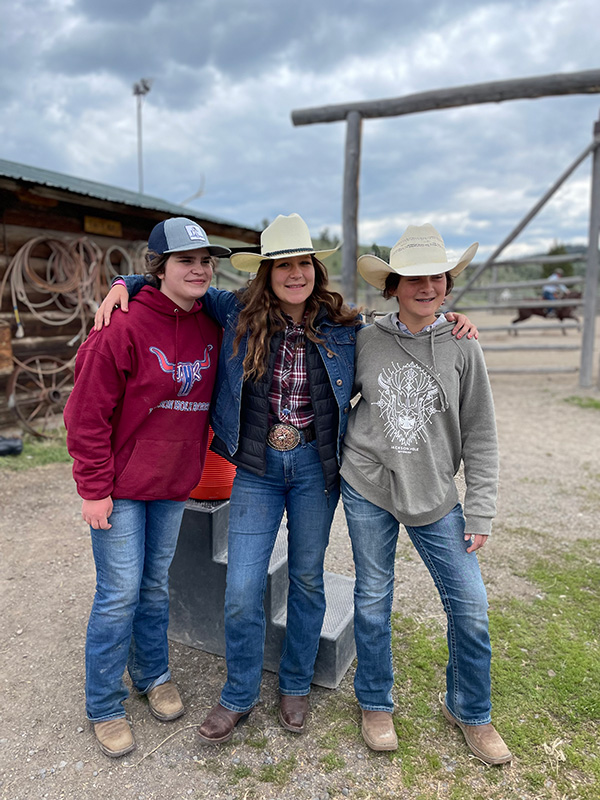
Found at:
(419, 251)
(285, 236)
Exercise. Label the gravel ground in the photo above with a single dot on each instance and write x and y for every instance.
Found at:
(549, 499)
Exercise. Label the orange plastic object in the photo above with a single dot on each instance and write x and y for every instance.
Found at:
(217, 477)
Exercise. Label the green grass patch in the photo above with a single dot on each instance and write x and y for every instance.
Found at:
(331, 762)
(523, 532)
(545, 682)
(331, 739)
(256, 739)
(339, 714)
(278, 773)
(419, 655)
(37, 453)
(584, 402)
(239, 772)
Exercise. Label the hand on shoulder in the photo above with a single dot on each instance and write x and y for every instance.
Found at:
(117, 297)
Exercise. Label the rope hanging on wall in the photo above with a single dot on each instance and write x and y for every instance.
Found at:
(77, 276)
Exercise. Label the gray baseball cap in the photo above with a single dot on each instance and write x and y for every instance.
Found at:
(177, 234)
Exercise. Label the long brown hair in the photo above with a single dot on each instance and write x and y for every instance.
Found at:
(261, 315)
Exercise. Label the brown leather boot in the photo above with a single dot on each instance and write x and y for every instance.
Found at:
(292, 712)
(219, 724)
(114, 737)
(165, 702)
(378, 730)
(483, 740)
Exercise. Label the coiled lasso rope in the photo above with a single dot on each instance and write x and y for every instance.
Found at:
(77, 277)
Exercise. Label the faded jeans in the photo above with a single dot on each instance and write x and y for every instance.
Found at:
(130, 614)
(293, 482)
(441, 545)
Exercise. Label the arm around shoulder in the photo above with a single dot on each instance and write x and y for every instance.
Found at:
(220, 304)
(134, 283)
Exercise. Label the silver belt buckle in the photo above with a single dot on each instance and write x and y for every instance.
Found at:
(283, 437)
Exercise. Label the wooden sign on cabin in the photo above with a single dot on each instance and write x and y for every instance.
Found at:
(103, 227)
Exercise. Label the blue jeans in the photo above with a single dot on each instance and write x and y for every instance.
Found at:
(441, 545)
(130, 614)
(293, 481)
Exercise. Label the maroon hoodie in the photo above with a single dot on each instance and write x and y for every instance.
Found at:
(137, 418)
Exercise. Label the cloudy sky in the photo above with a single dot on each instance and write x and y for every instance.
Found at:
(227, 74)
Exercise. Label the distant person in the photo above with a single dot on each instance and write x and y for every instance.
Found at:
(554, 289)
(425, 406)
(137, 429)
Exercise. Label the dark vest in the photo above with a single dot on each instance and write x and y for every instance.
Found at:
(254, 423)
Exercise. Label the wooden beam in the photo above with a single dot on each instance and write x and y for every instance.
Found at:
(590, 292)
(587, 82)
(137, 221)
(509, 347)
(520, 303)
(532, 370)
(44, 346)
(35, 327)
(509, 262)
(492, 287)
(350, 206)
(565, 325)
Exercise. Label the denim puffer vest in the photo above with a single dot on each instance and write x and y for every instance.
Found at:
(240, 410)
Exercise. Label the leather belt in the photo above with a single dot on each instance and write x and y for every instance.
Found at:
(285, 437)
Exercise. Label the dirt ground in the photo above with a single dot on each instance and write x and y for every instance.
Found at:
(549, 499)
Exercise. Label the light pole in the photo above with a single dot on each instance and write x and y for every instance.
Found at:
(140, 89)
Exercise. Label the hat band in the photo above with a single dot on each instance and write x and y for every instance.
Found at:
(288, 250)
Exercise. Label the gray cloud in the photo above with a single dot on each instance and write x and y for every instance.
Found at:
(235, 36)
(227, 75)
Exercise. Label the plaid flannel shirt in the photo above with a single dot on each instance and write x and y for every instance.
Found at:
(289, 396)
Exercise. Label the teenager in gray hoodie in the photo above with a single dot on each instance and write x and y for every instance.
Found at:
(425, 406)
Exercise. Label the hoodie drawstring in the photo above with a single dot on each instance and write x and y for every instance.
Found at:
(433, 371)
(176, 310)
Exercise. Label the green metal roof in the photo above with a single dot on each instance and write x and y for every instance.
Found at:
(103, 191)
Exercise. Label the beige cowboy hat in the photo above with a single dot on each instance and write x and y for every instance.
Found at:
(285, 236)
(419, 251)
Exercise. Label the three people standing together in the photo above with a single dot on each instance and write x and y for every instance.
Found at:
(280, 412)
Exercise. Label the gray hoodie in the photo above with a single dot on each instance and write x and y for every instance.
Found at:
(425, 405)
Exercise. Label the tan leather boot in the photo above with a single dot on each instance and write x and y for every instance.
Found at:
(165, 702)
(114, 737)
(378, 730)
(483, 740)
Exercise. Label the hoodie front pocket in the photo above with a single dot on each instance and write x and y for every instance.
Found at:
(160, 469)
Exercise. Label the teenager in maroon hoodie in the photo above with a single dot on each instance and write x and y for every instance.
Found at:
(137, 429)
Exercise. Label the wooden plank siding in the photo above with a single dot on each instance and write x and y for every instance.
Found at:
(29, 209)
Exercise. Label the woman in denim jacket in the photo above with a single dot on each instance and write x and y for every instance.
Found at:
(279, 414)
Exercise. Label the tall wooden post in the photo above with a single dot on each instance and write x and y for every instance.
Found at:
(591, 274)
(350, 206)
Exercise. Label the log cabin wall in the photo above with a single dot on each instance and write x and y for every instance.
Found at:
(37, 203)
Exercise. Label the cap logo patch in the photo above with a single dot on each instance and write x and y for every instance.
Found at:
(195, 233)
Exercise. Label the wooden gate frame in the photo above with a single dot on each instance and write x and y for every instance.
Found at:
(587, 82)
